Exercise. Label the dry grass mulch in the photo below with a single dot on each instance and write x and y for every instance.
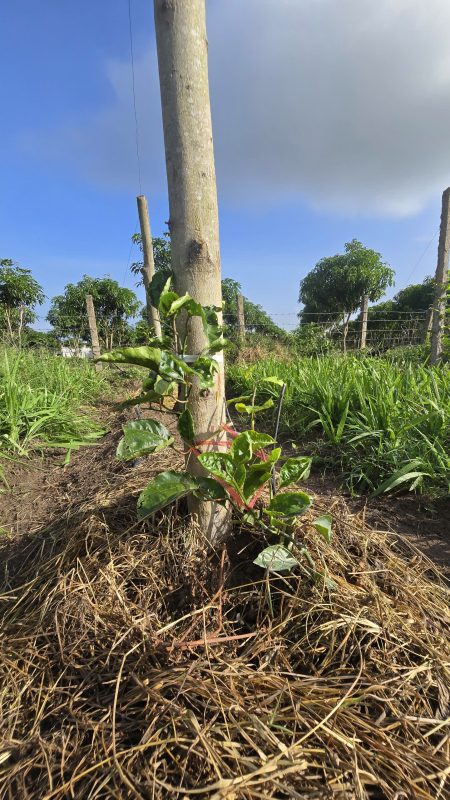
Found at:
(136, 665)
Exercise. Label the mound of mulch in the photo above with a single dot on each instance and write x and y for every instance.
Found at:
(136, 664)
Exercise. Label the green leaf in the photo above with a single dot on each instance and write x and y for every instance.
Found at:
(163, 490)
(239, 399)
(213, 329)
(272, 379)
(257, 475)
(290, 504)
(276, 558)
(147, 397)
(181, 302)
(144, 356)
(142, 436)
(221, 465)
(403, 475)
(210, 489)
(241, 449)
(164, 387)
(166, 300)
(205, 368)
(295, 469)
(173, 367)
(159, 282)
(274, 455)
(323, 526)
(248, 443)
(242, 408)
(185, 426)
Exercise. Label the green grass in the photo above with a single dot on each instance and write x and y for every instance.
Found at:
(44, 402)
(382, 424)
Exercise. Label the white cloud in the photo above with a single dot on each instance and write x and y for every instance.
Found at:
(345, 104)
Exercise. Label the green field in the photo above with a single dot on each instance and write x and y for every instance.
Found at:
(380, 424)
(44, 402)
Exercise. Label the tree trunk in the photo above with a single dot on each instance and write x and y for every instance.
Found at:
(440, 292)
(194, 226)
(148, 269)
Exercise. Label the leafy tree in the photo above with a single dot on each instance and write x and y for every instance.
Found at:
(20, 293)
(336, 284)
(256, 319)
(39, 339)
(114, 305)
(161, 254)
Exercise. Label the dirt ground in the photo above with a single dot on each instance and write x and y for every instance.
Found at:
(42, 488)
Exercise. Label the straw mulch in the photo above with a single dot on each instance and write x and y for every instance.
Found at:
(135, 665)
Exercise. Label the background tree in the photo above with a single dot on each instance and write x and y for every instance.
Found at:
(390, 322)
(114, 305)
(256, 319)
(336, 284)
(161, 254)
(20, 293)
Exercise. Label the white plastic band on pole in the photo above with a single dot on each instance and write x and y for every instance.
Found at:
(189, 359)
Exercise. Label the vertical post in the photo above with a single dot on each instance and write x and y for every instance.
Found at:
(440, 292)
(148, 269)
(240, 317)
(363, 321)
(427, 325)
(182, 49)
(93, 330)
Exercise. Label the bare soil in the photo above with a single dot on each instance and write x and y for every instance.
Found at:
(42, 488)
(136, 663)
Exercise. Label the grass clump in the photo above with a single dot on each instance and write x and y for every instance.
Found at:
(44, 402)
(384, 424)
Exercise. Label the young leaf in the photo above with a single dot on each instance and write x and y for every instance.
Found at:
(295, 469)
(221, 465)
(205, 368)
(239, 399)
(272, 379)
(256, 476)
(172, 367)
(290, 504)
(179, 303)
(276, 558)
(142, 436)
(242, 408)
(241, 449)
(163, 490)
(323, 526)
(159, 283)
(166, 300)
(185, 426)
(144, 356)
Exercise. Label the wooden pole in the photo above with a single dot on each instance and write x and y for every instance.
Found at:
(240, 317)
(363, 321)
(93, 330)
(427, 325)
(148, 269)
(440, 292)
(182, 49)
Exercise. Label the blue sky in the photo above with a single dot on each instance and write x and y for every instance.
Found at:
(331, 122)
